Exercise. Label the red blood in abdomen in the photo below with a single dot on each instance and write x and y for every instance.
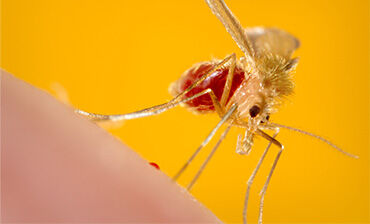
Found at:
(216, 82)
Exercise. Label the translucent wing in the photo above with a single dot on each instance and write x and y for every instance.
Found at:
(232, 26)
(272, 40)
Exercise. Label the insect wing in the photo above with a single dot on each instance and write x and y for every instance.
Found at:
(272, 40)
(232, 26)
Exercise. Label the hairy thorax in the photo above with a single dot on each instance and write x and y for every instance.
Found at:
(249, 93)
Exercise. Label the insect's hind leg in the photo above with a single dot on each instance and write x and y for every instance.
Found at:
(162, 107)
(153, 110)
(229, 80)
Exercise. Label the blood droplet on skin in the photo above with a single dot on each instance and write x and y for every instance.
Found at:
(155, 165)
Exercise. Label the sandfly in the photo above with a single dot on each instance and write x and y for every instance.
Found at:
(244, 92)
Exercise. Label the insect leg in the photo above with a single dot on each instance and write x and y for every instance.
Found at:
(208, 158)
(219, 109)
(146, 112)
(159, 108)
(263, 192)
(251, 178)
(229, 80)
(205, 142)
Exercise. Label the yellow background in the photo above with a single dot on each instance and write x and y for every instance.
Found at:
(121, 56)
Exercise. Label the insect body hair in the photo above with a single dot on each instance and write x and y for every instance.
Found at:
(276, 74)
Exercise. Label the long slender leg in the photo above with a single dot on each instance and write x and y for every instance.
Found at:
(205, 142)
(263, 192)
(208, 158)
(219, 109)
(268, 137)
(251, 178)
(159, 108)
(138, 114)
(229, 81)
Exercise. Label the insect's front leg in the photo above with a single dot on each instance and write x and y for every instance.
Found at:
(253, 175)
(263, 192)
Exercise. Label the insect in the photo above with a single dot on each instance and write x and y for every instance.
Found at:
(244, 92)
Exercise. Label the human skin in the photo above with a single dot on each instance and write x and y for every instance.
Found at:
(59, 167)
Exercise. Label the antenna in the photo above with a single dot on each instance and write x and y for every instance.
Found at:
(315, 136)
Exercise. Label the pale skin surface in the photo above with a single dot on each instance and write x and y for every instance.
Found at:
(59, 167)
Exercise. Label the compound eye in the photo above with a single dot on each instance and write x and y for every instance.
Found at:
(254, 111)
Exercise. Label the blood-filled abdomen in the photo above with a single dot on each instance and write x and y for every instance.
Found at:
(215, 81)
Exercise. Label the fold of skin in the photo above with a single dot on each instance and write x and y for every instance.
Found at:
(59, 167)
